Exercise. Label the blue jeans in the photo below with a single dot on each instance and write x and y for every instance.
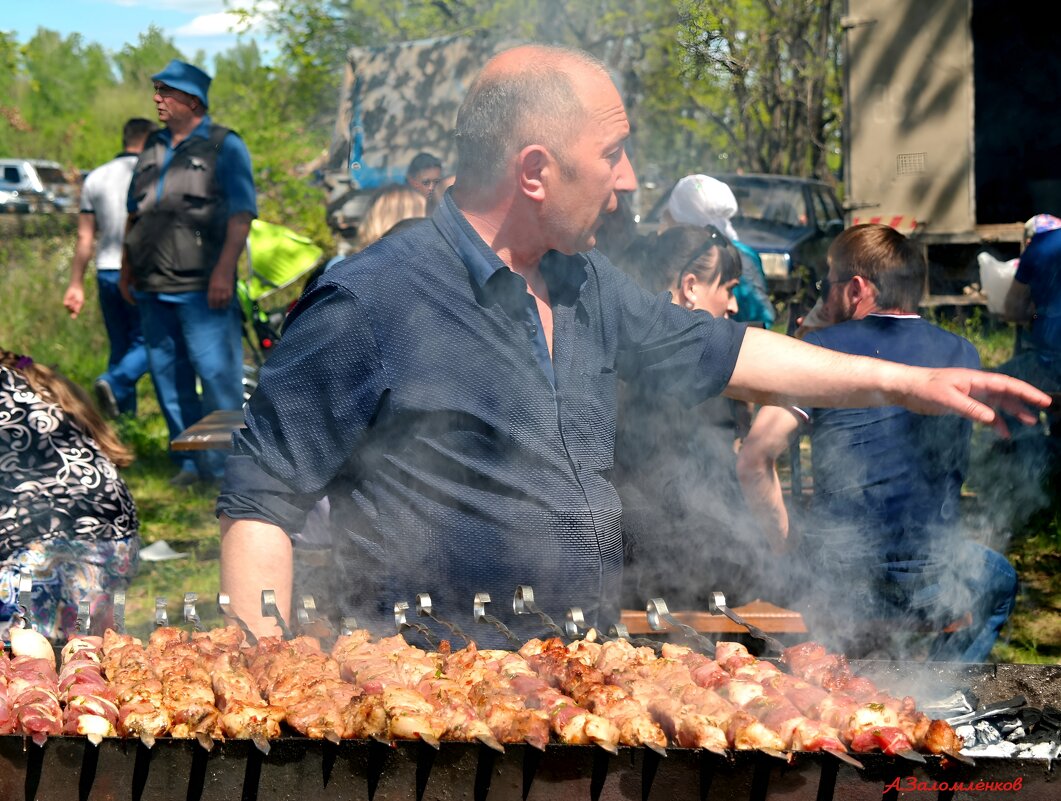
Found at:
(186, 339)
(128, 356)
(992, 583)
(960, 576)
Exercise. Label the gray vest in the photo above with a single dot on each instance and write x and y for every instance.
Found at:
(176, 239)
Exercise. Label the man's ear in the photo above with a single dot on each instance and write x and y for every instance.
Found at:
(861, 288)
(534, 163)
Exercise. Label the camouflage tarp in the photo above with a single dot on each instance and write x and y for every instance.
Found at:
(396, 101)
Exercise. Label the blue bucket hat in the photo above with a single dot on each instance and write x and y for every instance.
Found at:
(186, 78)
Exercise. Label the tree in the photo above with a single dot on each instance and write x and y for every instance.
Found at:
(759, 78)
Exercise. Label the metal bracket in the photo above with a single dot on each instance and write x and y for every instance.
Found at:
(161, 616)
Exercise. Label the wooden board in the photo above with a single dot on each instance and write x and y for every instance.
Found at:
(767, 616)
(213, 432)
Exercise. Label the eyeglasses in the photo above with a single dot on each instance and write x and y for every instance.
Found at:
(823, 285)
(162, 90)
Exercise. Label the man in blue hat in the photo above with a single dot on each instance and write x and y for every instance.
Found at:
(191, 202)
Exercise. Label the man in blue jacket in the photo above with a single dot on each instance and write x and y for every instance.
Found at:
(452, 388)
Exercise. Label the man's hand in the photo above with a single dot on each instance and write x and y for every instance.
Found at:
(74, 300)
(223, 277)
(219, 291)
(976, 394)
(126, 285)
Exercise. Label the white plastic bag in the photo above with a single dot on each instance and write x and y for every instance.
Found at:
(996, 277)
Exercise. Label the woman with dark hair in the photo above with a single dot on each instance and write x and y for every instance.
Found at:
(685, 526)
(66, 516)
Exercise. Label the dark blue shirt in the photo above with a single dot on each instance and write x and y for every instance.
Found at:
(1040, 269)
(412, 387)
(887, 481)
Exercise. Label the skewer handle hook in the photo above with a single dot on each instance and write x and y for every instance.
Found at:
(224, 606)
(270, 609)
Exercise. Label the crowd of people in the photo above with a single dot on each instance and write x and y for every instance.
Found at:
(488, 400)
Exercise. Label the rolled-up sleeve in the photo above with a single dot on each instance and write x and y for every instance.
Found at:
(318, 393)
(689, 354)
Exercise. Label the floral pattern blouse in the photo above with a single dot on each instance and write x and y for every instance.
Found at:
(54, 480)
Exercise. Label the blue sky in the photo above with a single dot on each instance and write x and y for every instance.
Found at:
(192, 24)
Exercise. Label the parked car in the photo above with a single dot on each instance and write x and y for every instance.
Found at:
(40, 183)
(13, 203)
(790, 222)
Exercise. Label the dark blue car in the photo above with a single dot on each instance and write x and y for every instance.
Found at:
(790, 222)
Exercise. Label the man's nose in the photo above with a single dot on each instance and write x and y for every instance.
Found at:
(625, 179)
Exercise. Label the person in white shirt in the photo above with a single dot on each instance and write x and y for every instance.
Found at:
(101, 229)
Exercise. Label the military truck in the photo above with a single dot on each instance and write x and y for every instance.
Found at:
(396, 101)
(952, 127)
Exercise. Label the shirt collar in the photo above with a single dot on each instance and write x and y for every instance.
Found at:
(564, 275)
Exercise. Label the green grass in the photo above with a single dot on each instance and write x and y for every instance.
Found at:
(33, 275)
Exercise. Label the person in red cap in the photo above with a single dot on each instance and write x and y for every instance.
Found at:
(191, 202)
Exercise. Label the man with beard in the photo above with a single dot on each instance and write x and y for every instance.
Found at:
(884, 521)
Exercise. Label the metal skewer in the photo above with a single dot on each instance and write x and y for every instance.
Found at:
(270, 609)
(84, 616)
(190, 615)
(161, 616)
(310, 622)
(718, 602)
(479, 614)
(20, 617)
(119, 611)
(224, 605)
(574, 622)
(658, 613)
(348, 625)
(423, 608)
(523, 604)
(619, 631)
(400, 620)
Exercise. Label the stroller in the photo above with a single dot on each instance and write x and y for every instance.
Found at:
(277, 257)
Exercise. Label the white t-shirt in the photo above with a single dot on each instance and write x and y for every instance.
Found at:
(104, 194)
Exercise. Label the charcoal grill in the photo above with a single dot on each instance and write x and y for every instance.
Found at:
(296, 768)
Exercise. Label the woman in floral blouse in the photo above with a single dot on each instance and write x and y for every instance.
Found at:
(66, 516)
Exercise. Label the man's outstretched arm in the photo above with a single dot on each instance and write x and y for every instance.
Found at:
(256, 556)
(773, 369)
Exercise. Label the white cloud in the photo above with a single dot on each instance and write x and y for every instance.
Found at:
(219, 24)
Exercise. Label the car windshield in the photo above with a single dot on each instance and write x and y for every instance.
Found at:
(770, 202)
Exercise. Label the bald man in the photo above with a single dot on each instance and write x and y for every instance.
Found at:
(452, 389)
